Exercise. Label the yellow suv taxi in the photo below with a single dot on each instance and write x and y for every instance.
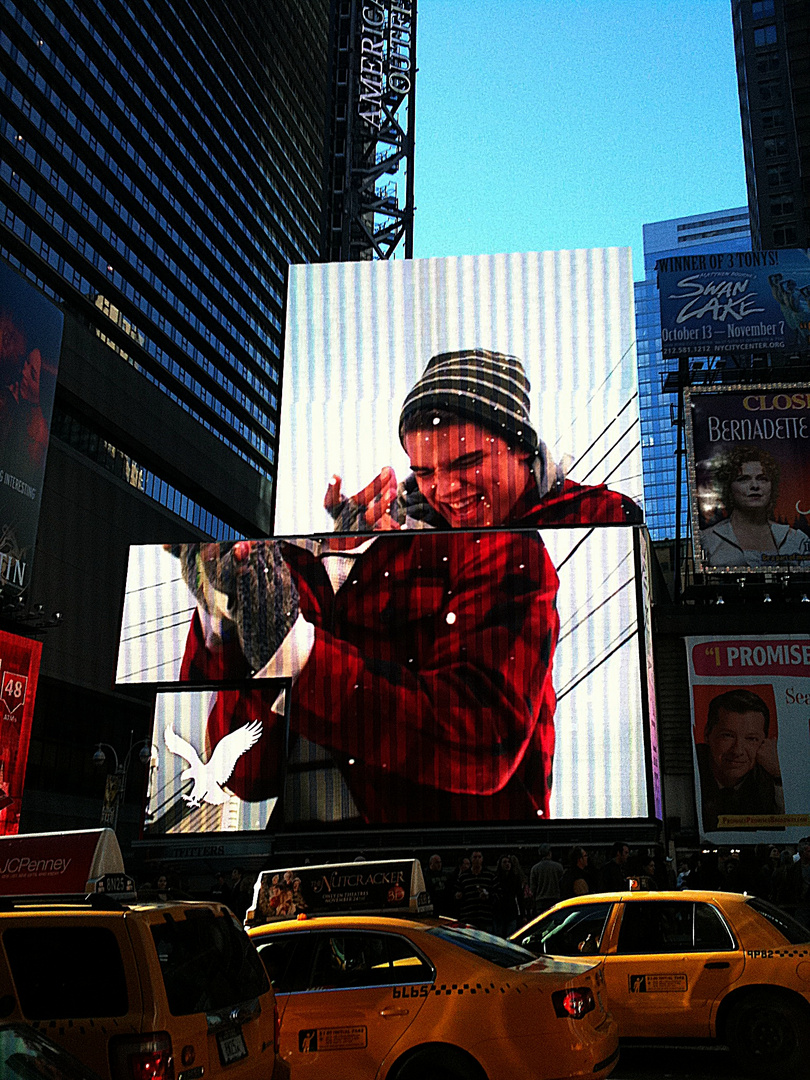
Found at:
(164, 991)
(693, 964)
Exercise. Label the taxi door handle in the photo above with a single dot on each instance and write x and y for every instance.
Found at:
(714, 965)
(394, 1012)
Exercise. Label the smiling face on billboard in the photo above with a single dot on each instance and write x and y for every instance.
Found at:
(470, 478)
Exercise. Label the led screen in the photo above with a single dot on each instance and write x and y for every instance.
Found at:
(452, 676)
(362, 338)
(750, 698)
(455, 606)
(750, 474)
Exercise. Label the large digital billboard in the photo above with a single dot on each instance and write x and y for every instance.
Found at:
(452, 676)
(542, 343)
(30, 343)
(741, 301)
(453, 596)
(19, 671)
(750, 699)
(749, 467)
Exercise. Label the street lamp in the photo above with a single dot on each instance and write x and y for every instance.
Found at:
(117, 780)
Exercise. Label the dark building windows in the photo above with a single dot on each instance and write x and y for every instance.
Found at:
(770, 40)
(764, 35)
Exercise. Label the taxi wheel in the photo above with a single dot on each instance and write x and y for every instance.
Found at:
(765, 1033)
(440, 1063)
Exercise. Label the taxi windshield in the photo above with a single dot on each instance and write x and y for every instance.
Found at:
(790, 928)
(487, 946)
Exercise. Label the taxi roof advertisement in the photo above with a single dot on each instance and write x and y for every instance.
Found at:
(750, 704)
(381, 887)
(477, 652)
(742, 301)
(749, 470)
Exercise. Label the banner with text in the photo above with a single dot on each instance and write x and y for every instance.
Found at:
(30, 343)
(19, 669)
(749, 471)
(742, 301)
(751, 727)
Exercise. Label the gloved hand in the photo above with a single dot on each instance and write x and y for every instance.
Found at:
(246, 583)
(266, 598)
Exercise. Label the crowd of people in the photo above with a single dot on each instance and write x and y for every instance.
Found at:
(502, 897)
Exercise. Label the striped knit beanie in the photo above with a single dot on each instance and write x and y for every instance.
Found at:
(485, 387)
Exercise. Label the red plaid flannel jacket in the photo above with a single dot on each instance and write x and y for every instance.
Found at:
(430, 676)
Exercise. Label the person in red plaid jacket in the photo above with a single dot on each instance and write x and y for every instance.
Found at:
(420, 662)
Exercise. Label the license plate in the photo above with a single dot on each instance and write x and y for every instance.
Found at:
(231, 1046)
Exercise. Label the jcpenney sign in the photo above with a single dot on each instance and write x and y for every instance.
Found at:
(386, 55)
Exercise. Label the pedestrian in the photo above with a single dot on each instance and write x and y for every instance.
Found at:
(476, 894)
(574, 881)
(507, 898)
(544, 880)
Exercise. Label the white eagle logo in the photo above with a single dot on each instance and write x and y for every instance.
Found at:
(210, 777)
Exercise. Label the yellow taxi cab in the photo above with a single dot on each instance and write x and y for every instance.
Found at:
(164, 991)
(395, 997)
(693, 964)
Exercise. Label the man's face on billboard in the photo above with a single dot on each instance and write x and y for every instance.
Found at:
(472, 478)
(734, 743)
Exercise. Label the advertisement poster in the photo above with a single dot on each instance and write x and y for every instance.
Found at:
(539, 346)
(30, 343)
(749, 470)
(454, 592)
(385, 887)
(453, 676)
(751, 726)
(19, 670)
(742, 301)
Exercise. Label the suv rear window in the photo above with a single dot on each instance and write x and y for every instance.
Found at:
(208, 963)
(67, 973)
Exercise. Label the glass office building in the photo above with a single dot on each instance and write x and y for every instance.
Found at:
(722, 230)
(162, 164)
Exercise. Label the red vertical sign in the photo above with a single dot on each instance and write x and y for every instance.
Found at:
(19, 668)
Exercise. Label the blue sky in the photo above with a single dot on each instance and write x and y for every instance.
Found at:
(546, 124)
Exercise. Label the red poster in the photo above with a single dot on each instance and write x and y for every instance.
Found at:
(19, 668)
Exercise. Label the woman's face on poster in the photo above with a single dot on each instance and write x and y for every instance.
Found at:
(751, 488)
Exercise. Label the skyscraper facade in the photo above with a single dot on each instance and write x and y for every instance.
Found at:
(772, 46)
(721, 230)
(161, 164)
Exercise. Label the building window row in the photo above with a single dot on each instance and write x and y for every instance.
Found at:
(74, 278)
(91, 444)
(99, 261)
(170, 99)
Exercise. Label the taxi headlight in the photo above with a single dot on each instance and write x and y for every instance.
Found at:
(573, 1004)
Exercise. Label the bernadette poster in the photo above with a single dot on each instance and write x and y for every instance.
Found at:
(749, 450)
(751, 726)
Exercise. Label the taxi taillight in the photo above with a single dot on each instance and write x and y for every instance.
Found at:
(142, 1057)
(572, 1004)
